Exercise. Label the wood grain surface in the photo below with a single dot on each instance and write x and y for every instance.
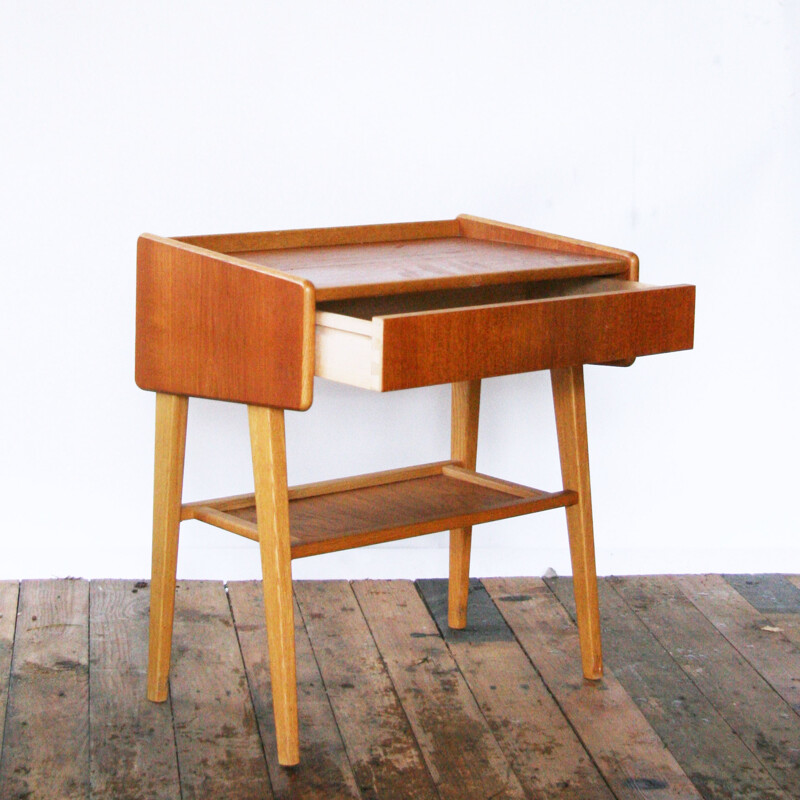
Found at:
(569, 400)
(775, 596)
(388, 268)
(268, 446)
(491, 230)
(717, 761)
(629, 754)
(461, 752)
(170, 451)
(46, 740)
(216, 735)
(9, 595)
(387, 763)
(214, 326)
(758, 715)
(235, 243)
(132, 748)
(512, 676)
(465, 406)
(536, 738)
(399, 510)
(775, 656)
(324, 770)
(466, 344)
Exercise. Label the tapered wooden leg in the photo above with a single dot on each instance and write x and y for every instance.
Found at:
(466, 397)
(268, 443)
(171, 414)
(570, 405)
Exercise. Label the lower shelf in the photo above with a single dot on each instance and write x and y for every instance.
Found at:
(384, 506)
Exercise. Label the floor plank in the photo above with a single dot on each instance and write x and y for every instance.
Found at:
(9, 595)
(769, 594)
(457, 743)
(324, 770)
(543, 750)
(777, 597)
(755, 712)
(46, 743)
(132, 746)
(219, 750)
(769, 651)
(719, 764)
(385, 757)
(629, 754)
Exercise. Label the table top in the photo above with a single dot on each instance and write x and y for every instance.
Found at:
(340, 271)
(359, 261)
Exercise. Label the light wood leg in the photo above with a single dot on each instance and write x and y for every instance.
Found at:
(466, 397)
(268, 443)
(570, 405)
(171, 415)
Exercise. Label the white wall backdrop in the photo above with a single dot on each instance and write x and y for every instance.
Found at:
(670, 128)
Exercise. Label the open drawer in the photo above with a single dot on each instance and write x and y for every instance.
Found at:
(401, 341)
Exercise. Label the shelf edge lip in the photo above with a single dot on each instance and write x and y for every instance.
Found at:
(519, 507)
(450, 468)
(604, 267)
(301, 491)
(297, 238)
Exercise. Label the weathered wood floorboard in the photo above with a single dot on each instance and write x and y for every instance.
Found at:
(719, 764)
(629, 754)
(790, 621)
(777, 597)
(9, 595)
(132, 746)
(46, 742)
(385, 757)
(541, 747)
(394, 704)
(769, 594)
(219, 750)
(770, 652)
(324, 770)
(757, 714)
(458, 745)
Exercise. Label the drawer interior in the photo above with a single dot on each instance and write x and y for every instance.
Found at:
(366, 308)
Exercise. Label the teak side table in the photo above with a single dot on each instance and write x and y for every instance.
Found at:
(252, 318)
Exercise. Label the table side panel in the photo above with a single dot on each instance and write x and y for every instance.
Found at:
(465, 344)
(207, 326)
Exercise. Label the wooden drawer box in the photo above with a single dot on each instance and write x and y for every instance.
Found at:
(417, 339)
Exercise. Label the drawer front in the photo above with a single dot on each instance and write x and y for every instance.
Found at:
(425, 348)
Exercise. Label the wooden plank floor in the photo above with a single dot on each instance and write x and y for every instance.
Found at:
(701, 697)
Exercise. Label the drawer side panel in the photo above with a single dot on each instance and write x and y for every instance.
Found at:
(344, 356)
(464, 344)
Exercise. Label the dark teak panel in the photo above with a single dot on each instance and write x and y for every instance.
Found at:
(207, 326)
(463, 344)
